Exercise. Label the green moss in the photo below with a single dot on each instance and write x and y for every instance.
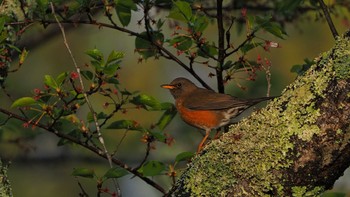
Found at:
(5, 186)
(302, 191)
(203, 169)
(342, 59)
(260, 144)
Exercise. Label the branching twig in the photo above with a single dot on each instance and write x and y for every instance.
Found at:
(329, 19)
(249, 38)
(148, 149)
(12, 100)
(169, 54)
(93, 149)
(86, 97)
(83, 194)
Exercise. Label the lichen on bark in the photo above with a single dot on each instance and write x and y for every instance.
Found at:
(5, 186)
(297, 145)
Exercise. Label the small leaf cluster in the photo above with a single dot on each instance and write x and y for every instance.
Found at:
(62, 96)
(57, 106)
(189, 38)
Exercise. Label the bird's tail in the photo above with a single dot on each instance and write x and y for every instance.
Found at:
(258, 100)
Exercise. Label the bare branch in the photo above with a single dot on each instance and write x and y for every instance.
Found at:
(329, 19)
(93, 149)
(98, 129)
(221, 45)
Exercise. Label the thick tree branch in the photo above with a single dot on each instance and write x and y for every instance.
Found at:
(298, 145)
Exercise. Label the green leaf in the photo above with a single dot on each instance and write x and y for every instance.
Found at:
(166, 118)
(182, 43)
(116, 172)
(249, 46)
(124, 14)
(148, 102)
(84, 172)
(301, 69)
(98, 65)
(125, 124)
(126, 92)
(146, 48)
(127, 3)
(50, 81)
(184, 156)
(296, 69)
(271, 27)
(227, 65)
(112, 80)
(2, 23)
(87, 74)
(114, 56)
(159, 136)
(181, 11)
(24, 101)
(111, 69)
(99, 116)
(76, 133)
(123, 9)
(60, 78)
(152, 168)
(206, 50)
(275, 29)
(3, 36)
(95, 54)
(42, 5)
(200, 24)
(289, 5)
(160, 23)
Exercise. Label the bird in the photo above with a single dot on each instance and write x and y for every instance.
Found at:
(206, 109)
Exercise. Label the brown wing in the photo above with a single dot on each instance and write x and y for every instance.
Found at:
(203, 99)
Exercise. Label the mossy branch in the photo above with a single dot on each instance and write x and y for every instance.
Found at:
(5, 186)
(299, 145)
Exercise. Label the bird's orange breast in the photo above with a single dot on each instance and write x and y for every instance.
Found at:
(203, 119)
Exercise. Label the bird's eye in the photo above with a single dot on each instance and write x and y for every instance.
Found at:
(179, 85)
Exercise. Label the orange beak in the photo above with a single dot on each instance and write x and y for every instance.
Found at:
(167, 86)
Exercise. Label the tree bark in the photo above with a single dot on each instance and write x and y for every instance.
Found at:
(299, 145)
(5, 186)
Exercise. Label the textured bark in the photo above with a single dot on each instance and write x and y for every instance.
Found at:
(299, 145)
(5, 186)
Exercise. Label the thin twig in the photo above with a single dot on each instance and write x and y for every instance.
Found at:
(83, 194)
(11, 99)
(268, 79)
(93, 149)
(248, 39)
(169, 54)
(120, 142)
(148, 149)
(228, 33)
(329, 19)
(221, 46)
(98, 129)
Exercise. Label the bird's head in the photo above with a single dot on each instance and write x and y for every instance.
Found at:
(180, 87)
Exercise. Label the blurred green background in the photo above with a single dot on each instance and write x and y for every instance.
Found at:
(39, 168)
